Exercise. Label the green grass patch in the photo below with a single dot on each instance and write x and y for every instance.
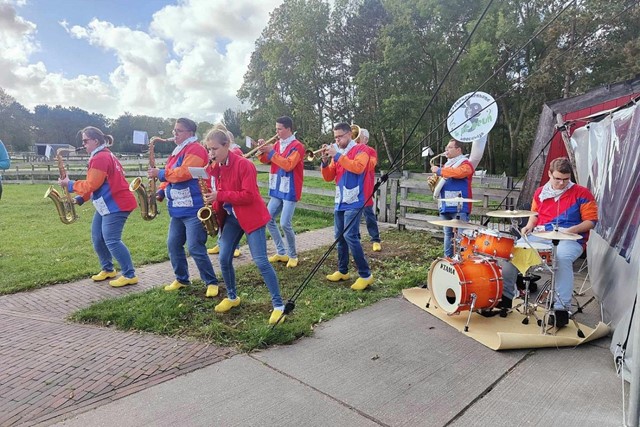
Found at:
(403, 263)
(37, 249)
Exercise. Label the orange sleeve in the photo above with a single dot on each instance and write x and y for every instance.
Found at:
(589, 211)
(264, 158)
(357, 165)
(328, 172)
(95, 178)
(463, 171)
(182, 173)
(287, 163)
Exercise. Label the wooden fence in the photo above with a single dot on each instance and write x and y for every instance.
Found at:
(404, 199)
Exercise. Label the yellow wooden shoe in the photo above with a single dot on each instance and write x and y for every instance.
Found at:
(123, 281)
(293, 262)
(279, 258)
(212, 291)
(277, 316)
(237, 253)
(376, 247)
(226, 305)
(214, 250)
(103, 275)
(361, 283)
(337, 276)
(174, 286)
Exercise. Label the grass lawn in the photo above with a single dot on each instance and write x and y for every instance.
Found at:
(37, 249)
(403, 263)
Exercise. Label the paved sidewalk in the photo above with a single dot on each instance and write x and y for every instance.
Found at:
(51, 367)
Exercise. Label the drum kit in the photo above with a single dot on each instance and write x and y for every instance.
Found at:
(471, 280)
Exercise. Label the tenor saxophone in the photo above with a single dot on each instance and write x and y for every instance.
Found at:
(63, 200)
(206, 214)
(147, 196)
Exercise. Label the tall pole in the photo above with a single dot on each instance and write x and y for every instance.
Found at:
(634, 367)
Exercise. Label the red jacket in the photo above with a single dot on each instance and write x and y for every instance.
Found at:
(237, 185)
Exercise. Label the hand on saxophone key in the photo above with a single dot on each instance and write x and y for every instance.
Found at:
(434, 169)
(63, 181)
(210, 197)
(153, 172)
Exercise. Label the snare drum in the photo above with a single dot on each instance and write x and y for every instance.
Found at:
(494, 244)
(466, 245)
(544, 250)
(453, 284)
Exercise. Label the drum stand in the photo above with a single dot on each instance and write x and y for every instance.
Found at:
(528, 309)
(552, 294)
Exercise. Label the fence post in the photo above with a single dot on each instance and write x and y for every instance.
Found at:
(393, 206)
(382, 201)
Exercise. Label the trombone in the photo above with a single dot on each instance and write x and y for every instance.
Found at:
(254, 150)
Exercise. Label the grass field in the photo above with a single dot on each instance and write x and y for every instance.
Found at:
(37, 249)
(403, 263)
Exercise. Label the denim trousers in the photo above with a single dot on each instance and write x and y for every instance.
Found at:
(349, 240)
(106, 235)
(448, 231)
(257, 242)
(567, 252)
(372, 224)
(190, 231)
(284, 208)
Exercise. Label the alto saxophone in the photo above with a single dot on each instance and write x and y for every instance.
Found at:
(63, 201)
(147, 196)
(433, 180)
(206, 214)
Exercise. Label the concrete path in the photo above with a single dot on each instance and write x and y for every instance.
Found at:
(388, 364)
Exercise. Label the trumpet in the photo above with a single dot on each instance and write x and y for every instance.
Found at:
(313, 155)
(254, 150)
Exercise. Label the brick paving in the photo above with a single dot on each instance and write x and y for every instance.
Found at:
(51, 367)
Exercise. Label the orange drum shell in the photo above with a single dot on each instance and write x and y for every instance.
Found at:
(466, 246)
(452, 282)
(494, 246)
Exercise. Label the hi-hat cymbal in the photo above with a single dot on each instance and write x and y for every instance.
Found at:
(557, 235)
(456, 223)
(459, 200)
(511, 214)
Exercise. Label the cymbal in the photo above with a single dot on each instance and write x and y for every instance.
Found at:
(456, 223)
(459, 200)
(557, 235)
(511, 214)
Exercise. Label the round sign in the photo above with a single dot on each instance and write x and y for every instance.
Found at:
(472, 116)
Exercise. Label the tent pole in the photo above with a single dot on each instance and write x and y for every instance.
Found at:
(634, 389)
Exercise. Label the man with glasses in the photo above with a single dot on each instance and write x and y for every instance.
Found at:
(565, 206)
(286, 176)
(458, 172)
(184, 199)
(347, 163)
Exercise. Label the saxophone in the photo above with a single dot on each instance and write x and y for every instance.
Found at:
(435, 181)
(206, 214)
(147, 196)
(63, 201)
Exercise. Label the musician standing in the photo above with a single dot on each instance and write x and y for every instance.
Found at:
(458, 171)
(347, 163)
(572, 209)
(234, 148)
(184, 199)
(106, 185)
(286, 157)
(240, 210)
(369, 183)
(5, 163)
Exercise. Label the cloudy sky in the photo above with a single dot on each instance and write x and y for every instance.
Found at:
(165, 58)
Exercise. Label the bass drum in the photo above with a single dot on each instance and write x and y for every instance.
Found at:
(453, 284)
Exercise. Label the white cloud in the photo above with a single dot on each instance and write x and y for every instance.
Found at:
(190, 62)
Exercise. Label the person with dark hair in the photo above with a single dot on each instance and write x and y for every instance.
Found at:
(184, 199)
(370, 179)
(567, 207)
(286, 177)
(346, 162)
(108, 188)
(5, 163)
(458, 172)
(240, 210)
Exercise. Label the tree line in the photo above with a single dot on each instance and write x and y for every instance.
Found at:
(379, 63)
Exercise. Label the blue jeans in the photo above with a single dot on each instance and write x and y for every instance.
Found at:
(257, 242)
(567, 252)
(448, 231)
(372, 223)
(286, 208)
(106, 235)
(349, 240)
(189, 231)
